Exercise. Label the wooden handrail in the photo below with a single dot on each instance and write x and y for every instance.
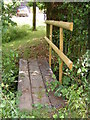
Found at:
(61, 25)
(68, 62)
(65, 25)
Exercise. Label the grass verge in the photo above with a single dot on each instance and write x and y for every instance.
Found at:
(27, 45)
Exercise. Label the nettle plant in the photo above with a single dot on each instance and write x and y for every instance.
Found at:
(75, 89)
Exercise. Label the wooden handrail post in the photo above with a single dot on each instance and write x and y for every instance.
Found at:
(65, 59)
(62, 25)
(50, 48)
(61, 48)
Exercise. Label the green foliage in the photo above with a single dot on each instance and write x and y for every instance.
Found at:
(7, 11)
(76, 102)
(8, 106)
(24, 44)
(38, 105)
(75, 89)
(75, 42)
(13, 33)
(40, 5)
(42, 111)
(55, 37)
(10, 69)
(30, 4)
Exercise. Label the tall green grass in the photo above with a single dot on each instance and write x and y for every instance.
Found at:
(13, 33)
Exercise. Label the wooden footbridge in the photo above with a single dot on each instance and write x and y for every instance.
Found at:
(35, 73)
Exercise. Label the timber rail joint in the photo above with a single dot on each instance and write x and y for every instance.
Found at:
(63, 57)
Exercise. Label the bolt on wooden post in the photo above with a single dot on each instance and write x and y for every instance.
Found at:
(61, 63)
(50, 48)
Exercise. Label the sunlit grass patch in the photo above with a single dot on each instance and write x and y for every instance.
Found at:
(26, 43)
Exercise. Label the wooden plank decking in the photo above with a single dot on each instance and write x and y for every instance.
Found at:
(33, 75)
(24, 86)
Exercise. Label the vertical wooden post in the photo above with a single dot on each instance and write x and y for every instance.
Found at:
(61, 48)
(50, 49)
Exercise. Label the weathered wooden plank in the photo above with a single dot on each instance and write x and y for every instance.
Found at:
(67, 61)
(48, 77)
(66, 25)
(38, 87)
(24, 86)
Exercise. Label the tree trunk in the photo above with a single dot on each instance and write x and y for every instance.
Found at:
(34, 15)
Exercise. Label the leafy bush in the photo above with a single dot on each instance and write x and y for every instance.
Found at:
(7, 11)
(75, 89)
(77, 40)
(10, 69)
(8, 106)
(8, 32)
(8, 94)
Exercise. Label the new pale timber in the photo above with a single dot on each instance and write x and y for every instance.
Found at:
(63, 57)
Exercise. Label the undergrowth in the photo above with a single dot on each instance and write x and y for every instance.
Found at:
(8, 86)
(75, 89)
